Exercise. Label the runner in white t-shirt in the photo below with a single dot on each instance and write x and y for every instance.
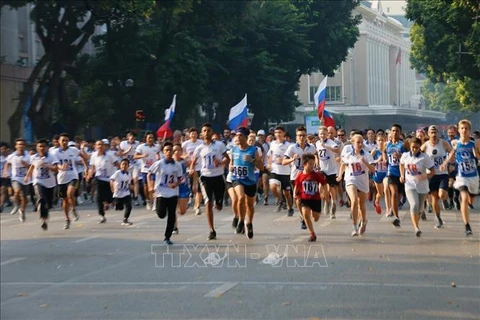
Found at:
(18, 162)
(280, 173)
(148, 153)
(168, 177)
(120, 183)
(413, 173)
(67, 176)
(43, 169)
(188, 148)
(213, 157)
(357, 165)
(127, 151)
(327, 153)
(102, 165)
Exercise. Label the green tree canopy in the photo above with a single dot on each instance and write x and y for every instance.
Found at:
(446, 46)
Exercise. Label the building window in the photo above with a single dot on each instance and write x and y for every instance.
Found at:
(334, 94)
(311, 95)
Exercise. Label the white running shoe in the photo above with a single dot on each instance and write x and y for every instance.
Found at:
(149, 206)
(198, 211)
(14, 210)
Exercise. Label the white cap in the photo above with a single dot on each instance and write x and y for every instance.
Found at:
(105, 141)
(71, 144)
(261, 132)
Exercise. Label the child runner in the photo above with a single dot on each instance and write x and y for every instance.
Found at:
(413, 172)
(307, 190)
(380, 172)
(168, 176)
(183, 188)
(120, 183)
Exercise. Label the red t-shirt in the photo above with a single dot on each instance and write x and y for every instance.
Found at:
(307, 185)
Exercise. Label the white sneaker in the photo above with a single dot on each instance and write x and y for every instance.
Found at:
(79, 200)
(15, 210)
(149, 206)
(154, 207)
(198, 211)
(22, 215)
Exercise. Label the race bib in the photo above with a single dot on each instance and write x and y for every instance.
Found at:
(310, 187)
(209, 161)
(21, 172)
(240, 172)
(467, 166)
(44, 173)
(412, 169)
(393, 160)
(356, 169)
(322, 154)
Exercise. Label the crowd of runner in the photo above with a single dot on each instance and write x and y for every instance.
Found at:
(310, 173)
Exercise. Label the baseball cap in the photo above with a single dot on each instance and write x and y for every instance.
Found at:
(71, 144)
(105, 141)
(261, 132)
(243, 131)
(432, 128)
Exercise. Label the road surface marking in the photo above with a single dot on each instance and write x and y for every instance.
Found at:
(85, 239)
(12, 261)
(220, 291)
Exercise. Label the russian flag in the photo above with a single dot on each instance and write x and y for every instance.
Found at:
(328, 119)
(320, 100)
(238, 115)
(320, 97)
(164, 131)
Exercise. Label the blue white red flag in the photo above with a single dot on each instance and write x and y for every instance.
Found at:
(238, 116)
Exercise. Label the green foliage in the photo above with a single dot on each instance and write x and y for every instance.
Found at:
(441, 28)
(207, 52)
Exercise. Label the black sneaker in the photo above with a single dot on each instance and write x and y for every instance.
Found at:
(396, 222)
(240, 228)
(284, 207)
(457, 203)
(44, 226)
(279, 207)
(418, 233)
(212, 235)
(303, 225)
(67, 225)
(249, 231)
(126, 222)
(423, 216)
(75, 214)
(446, 205)
(235, 222)
(468, 230)
(439, 222)
(167, 242)
(290, 212)
(471, 207)
(265, 201)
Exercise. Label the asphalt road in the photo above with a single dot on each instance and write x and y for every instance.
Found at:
(111, 271)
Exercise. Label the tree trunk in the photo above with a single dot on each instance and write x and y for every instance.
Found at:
(15, 120)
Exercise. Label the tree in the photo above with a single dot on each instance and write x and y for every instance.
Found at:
(441, 30)
(63, 27)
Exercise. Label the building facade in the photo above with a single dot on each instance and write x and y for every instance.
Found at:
(20, 51)
(376, 85)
